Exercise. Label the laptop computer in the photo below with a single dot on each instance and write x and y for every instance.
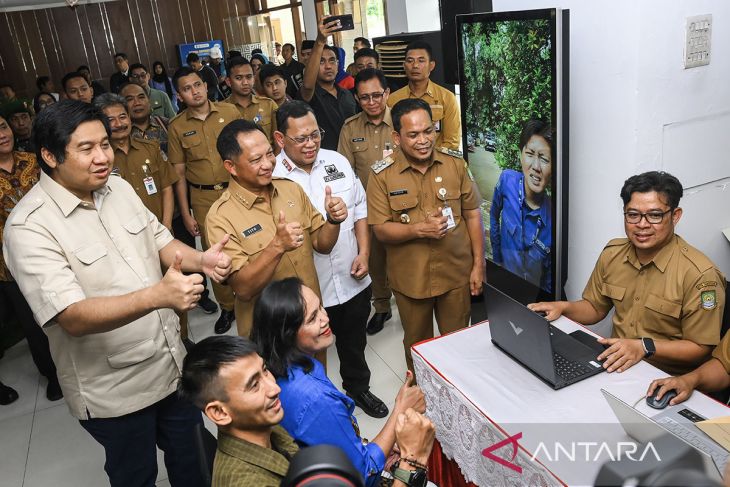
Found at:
(552, 355)
(676, 420)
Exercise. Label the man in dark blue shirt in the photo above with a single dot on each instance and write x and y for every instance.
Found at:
(332, 104)
(521, 215)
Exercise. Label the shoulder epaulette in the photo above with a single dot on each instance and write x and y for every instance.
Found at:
(382, 164)
(451, 152)
(22, 212)
(616, 241)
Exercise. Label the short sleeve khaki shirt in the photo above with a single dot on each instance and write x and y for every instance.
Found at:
(145, 160)
(363, 143)
(398, 193)
(679, 295)
(191, 141)
(62, 250)
(444, 112)
(251, 223)
(261, 111)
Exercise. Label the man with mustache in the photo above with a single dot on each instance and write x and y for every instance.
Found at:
(140, 162)
(418, 65)
(424, 207)
(145, 125)
(332, 104)
(668, 296)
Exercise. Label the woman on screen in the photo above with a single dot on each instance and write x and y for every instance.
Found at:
(521, 216)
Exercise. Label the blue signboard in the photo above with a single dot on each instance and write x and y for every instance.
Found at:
(203, 49)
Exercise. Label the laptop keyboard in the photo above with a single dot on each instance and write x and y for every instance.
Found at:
(698, 439)
(568, 369)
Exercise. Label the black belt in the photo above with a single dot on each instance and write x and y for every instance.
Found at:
(210, 187)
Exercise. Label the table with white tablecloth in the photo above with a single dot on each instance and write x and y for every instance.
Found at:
(478, 397)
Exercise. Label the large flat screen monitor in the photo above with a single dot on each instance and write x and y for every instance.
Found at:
(512, 82)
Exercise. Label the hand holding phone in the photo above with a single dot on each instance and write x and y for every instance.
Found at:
(344, 22)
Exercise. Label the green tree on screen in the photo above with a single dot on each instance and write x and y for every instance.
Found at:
(509, 80)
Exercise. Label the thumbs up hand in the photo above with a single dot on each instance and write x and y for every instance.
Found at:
(334, 206)
(289, 235)
(215, 263)
(178, 291)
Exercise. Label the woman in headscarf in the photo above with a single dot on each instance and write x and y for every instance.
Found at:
(161, 81)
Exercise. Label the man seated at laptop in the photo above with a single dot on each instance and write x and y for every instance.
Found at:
(226, 378)
(668, 296)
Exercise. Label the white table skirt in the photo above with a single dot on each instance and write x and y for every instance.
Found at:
(477, 396)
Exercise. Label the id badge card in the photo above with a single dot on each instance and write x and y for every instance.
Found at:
(149, 185)
(449, 214)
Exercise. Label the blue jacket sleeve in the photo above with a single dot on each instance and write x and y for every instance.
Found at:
(327, 421)
(495, 213)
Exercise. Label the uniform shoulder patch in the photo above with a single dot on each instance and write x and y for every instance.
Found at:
(382, 164)
(708, 299)
(450, 152)
(21, 212)
(350, 119)
(698, 259)
(615, 242)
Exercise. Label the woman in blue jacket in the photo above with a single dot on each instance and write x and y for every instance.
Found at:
(290, 327)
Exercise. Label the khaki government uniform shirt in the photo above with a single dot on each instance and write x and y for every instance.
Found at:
(145, 159)
(62, 250)
(261, 111)
(364, 143)
(679, 295)
(251, 223)
(423, 267)
(445, 112)
(239, 463)
(192, 142)
(13, 186)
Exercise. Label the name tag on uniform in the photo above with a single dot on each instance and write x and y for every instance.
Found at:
(449, 214)
(149, 185)
(398, 192)
(359, 139)
(192, 132)
(332, 173)
(250, 231)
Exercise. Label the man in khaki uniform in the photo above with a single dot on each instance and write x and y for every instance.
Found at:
(273, 225)
(418, 65)
(258, 109)
(365, 139)
(424, 207)
(668, 296)
(139, 162)
(192, 137)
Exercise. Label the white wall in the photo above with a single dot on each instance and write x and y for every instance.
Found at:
(630, 100)
(423, 15)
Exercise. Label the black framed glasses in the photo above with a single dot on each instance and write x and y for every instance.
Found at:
(376, 97)
(652, 217)
(315, 136)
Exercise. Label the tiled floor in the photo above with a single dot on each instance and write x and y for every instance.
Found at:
(42, 445)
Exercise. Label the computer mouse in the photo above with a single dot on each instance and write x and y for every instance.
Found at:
(663, 402)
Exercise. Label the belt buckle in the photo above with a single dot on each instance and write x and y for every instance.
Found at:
(218, 186)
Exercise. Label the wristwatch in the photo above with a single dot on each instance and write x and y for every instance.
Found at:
(412, 478)
(649, 347)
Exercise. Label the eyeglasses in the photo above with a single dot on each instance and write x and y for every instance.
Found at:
(315, 136)
(652, 217)
(376, 97)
